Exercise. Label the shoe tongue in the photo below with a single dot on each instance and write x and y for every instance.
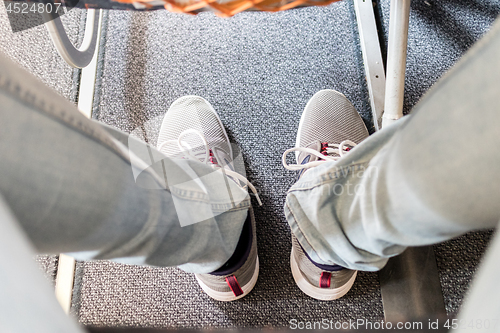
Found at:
(198, 149)
(305, 157)
(196, 144)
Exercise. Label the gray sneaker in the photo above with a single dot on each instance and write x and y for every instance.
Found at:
(239, 274)
(192, 129)
(329, 127)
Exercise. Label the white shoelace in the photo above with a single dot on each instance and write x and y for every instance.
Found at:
(186, 149)
(332, 149)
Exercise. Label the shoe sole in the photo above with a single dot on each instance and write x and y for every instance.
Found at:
(322, 294)
(228, 296)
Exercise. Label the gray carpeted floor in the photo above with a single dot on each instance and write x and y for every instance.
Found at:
(34, 51)
(258, 70)
(457, 261)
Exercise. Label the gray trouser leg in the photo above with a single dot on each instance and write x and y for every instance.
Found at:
(429, 177)
(75, 188)
(69, 184)
(27, 303)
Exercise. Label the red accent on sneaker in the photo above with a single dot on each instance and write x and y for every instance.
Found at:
(213, 160)
(234, 285)
(324, 281)
(324, 146)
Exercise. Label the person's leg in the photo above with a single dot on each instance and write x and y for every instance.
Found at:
(27, 303)
(75, 188)
(428, 178)
(481, 310)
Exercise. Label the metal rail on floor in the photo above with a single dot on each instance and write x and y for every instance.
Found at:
(396, 60)
(372, 58)
(76, 57)
(410, 284)
(88, 77)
